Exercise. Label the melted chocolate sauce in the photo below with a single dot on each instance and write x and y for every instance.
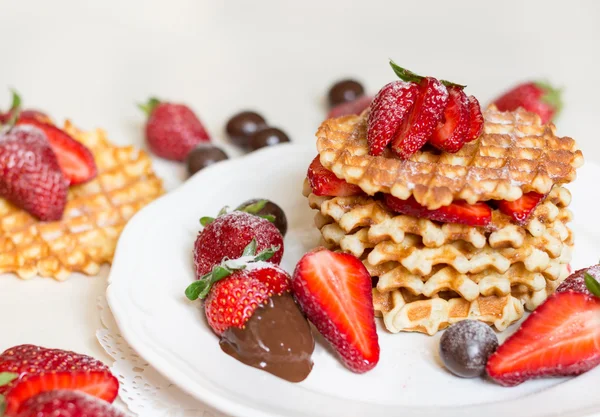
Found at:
(276, 339)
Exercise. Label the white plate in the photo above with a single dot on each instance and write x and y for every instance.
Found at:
(153, 266)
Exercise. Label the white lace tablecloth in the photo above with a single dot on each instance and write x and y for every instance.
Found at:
(143, 390)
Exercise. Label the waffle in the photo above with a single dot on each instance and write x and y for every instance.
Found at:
(349, 214)
(403, 312)
(515, 154)
(94, 217)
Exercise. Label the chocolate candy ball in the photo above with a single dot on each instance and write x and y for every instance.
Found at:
(466, 346)
(344, 91)
(202, 156)
(272, 209)
(243, 125)
(267, 137)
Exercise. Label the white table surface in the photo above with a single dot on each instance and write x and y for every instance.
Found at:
(92, 60)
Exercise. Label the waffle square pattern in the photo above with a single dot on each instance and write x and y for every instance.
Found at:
(515, 154)
(94, 217)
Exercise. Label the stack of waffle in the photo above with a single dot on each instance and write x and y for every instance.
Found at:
(94, 217)
(429, 274)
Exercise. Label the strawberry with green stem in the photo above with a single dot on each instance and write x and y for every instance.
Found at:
(172, 130)
(535, 96)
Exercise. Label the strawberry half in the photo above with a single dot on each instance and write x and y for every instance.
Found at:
(334, 291)
(388, 109)
(423, 119)
(29, 370)
(451, 133)
(475, 120)
(520, 210)
(324, 182)
(30, 176)
(75, 160)
(560, 338)
(479, 214)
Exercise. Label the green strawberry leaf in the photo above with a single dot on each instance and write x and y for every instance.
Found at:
(16, 100)
(404, 74)
(451, 84)
(409, 76)
(592, 285)
(201, 288)
(253, 208)
(7, 377)
(266, 254)
(149, 106)
(205, 221)
(268, 217)
(552, 96)
(250, 250)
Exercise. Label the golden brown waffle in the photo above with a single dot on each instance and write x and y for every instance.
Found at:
(515, 154)
(404, 312)
(517, 280)
(94, 217)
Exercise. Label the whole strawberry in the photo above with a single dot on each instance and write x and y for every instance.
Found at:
(534, 96)
(28, 370)
(67, 404)
(236, 288)
(248, 304)
(228, 235)
(30, 175)
(172, 130)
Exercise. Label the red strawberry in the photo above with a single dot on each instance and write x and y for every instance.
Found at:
(479, 214)
(229, 234)
(233, 300)
(67, 404)
(537, 97)
(35, 370)
(334, 291)
(356, 106)
(324, 182)
(172, 130)
(560, 338)
(423, 119)
(521, 209)
(475, 120)
(30, 176)
(576, 281)
(388, 109)
(75, 160)
(451, 133)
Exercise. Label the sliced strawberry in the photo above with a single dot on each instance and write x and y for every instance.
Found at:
(521, 209)
(334, 291)
(475, 120)
(451, 133)
(36, 370)
(324, 182)
(479, 214)
(423, 119)
(356, 106)
(561, 338)
(75, 160)
(388, 109)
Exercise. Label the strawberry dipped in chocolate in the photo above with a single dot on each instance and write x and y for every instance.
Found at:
(248, 304)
